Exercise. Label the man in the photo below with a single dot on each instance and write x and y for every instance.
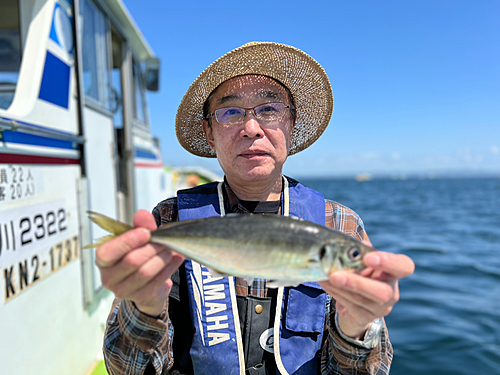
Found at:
(251, 108)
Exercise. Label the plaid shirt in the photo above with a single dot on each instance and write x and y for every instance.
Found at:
(136, 343)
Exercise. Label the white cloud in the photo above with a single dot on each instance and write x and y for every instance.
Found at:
(370, 156)
(465, 155)
(395, 156)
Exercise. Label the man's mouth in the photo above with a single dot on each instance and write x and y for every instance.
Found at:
(253, 154)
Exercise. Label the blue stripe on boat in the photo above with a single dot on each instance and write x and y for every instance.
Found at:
(143, 153)
(55, 82)
(35, 140)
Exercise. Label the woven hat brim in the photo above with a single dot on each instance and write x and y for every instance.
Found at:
(299, 72)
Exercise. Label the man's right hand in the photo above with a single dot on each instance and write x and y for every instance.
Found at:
(136, 270)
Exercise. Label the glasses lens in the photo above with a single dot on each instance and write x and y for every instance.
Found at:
(270, 111)
(231, 115)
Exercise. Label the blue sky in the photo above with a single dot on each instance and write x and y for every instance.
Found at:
(416, 83)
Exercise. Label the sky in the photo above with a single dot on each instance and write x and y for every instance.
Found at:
(416, 83)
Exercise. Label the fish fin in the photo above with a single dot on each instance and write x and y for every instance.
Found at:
(216, 273)
(100, 241)
(280, 283)
(232, 214)
(109, 224)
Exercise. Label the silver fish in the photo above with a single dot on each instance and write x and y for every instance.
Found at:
(272, 247)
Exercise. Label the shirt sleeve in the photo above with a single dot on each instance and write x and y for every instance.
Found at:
(339, 357)
(134, 339)
(134, 342)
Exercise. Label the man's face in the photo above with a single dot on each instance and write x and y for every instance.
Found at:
(255, 149)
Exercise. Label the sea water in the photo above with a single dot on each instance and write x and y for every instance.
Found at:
(448, 318)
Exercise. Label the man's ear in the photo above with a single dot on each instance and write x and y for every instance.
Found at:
(292, 128)
(207, 129)
(293, 125)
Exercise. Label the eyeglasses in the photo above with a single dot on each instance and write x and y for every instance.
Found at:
(266, 112)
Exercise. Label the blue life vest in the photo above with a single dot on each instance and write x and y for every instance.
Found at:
(300, 319)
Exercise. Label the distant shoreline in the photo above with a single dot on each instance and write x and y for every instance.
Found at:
(366, 177)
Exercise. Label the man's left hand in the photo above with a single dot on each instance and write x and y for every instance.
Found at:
(371, 294)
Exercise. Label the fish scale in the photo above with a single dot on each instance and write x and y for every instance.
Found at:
(272, 247)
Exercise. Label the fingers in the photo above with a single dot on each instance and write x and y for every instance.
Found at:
(131, 263)
(396, 266)
(378, 303)
(161, 280)
(360, 299)
(113, 251)
(377, 291)
(151, 298)
(371, 294)
(143, 276)
(137, 270)
(145, 219)
(153, 273)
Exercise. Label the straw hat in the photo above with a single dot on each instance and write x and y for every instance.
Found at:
(299, 72)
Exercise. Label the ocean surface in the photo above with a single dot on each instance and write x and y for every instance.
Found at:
(448, 318)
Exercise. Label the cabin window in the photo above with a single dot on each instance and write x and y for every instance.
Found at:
(96, 69)
(116, 100)
(140, 100)
(10, 50)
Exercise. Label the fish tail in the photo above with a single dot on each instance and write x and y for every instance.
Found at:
(100, 241)
(111, 225)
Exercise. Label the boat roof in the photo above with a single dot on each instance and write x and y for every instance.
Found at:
(138, 43)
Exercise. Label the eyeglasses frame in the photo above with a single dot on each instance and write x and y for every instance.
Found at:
(210, 115)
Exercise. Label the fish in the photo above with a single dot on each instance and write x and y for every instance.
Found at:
(287, 250)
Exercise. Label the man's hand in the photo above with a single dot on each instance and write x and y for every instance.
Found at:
(136, 270)
(361, 298)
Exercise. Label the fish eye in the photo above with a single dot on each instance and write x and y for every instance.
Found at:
(354, 253)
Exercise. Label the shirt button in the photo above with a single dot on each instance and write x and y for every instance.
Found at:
(259, 309)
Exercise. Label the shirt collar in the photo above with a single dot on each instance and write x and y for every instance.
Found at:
(233, 203)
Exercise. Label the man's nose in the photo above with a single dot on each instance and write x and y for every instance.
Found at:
(251, 127)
